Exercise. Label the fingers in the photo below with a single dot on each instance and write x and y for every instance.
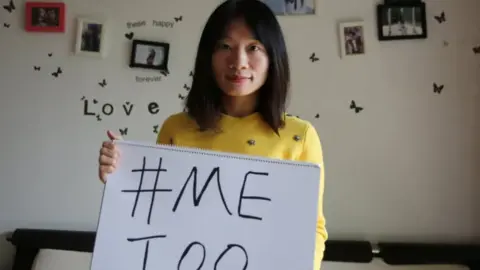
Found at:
(113, 136)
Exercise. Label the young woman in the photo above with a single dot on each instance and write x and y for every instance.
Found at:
(237, 99)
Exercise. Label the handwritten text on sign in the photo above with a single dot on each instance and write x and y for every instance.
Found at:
(177, 208)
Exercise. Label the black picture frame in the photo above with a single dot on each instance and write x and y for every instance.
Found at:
(417, 18)
(153, 47)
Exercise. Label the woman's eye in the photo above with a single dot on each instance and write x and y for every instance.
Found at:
(223, 46)
(255, 48)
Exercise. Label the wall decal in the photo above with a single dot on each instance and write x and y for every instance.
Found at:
(313, 57)
(136, 24)
(165, 24)
(354, 106)
(10, 7)
(153, 107)
(103, 83)
(91, 37)
(124, 131)
(352, 41)
(150, 55)
(317, 115)
(45, 17)
(148, 79)
(129, 35)
(57, 73)
(50, 54)
(155, 129)
(128, 110)
(181, 97)
(99, 118)
(185, 86)
(401, 20)
(6, 25)
(441, 18)
(191, 74)
(445, 43)
(178, 19)
(437, 88)
(36, 68)
(476, 50)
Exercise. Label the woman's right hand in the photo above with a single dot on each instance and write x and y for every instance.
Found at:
(109, 155)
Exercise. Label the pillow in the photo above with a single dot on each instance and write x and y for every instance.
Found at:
(50, 259)
(378, 264)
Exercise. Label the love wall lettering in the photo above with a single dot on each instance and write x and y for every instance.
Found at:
(94, 108)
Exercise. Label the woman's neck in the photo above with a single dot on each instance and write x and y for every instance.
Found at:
(239, 106)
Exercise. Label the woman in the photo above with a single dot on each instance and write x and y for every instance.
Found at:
(237, 100)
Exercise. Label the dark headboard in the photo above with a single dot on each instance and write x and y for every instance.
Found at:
(29, 241)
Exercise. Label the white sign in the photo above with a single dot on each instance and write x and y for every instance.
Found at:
(171, 208)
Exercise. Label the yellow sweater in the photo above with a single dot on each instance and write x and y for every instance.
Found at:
(298, 140)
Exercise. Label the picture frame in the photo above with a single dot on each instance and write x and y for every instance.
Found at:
(148, 54)
(352, 38)
(291, 7)
(45, 17)
(91, 37)
(402, 20)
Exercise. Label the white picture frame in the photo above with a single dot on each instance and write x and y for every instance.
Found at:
(352, 38)
(97, 45)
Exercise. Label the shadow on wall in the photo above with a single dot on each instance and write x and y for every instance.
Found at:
(6, 251)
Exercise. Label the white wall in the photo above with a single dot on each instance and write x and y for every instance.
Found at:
(405, 168)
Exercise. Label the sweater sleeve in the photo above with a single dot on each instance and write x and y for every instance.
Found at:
(312, 152)
(165, 135)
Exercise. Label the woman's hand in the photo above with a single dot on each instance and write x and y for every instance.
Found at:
(108, 158)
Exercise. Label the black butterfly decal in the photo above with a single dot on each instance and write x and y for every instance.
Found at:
(129, 35)
(58, 72)
(476, 50)
(99, 118)
(437, 88)
(191, 74)
(155, 129)
(36, 68)
(103, 83)
(181, 97)
(178, 19)
(441, 18)
(6, 25)
(185, 86)
(10, 7)
(124, 131)
(95, 101)
(354, 106)
(317, 115)
(50, 54)
(313, 58)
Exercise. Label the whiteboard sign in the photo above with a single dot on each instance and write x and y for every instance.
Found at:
(171, 208)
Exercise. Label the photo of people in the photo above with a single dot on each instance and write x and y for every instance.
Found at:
(91, 37)
(354, 42)
(45, 16)
(291, 7)
(149, 55)
(402, 21)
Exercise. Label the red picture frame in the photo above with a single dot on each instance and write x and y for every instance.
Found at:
(45, 17)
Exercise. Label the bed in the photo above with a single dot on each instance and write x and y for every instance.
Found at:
(44, 249)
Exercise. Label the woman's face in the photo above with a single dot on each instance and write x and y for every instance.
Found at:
(240, 62)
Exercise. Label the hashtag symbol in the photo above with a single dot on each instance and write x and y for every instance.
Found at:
(140, 189)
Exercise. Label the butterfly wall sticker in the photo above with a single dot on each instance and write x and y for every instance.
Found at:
(353, 106)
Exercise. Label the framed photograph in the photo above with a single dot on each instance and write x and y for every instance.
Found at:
(352, 38)
(291, 7)
(398, 21)
(149, 55)
(91, 37)
(45, 17)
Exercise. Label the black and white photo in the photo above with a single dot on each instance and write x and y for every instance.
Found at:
(401, 21)
(352, 38)
(91, 37)
(149, 55)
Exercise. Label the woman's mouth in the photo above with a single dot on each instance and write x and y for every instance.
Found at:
(238, 79)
